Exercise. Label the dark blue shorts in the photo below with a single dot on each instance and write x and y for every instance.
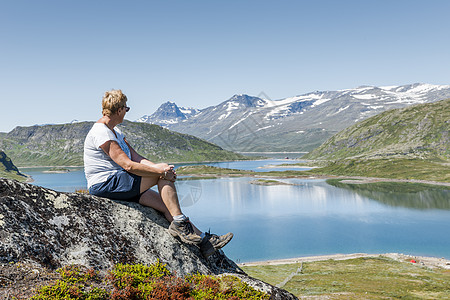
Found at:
(119, 186)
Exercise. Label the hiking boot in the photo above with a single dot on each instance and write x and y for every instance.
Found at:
(184, 230)
(218, 241)
(206, 248)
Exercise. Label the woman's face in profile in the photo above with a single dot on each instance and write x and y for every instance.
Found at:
(123, 111)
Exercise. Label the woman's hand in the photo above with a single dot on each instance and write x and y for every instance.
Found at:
(169, 173)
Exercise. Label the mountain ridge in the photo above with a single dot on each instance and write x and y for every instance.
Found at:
(300, 123)
(62, 145)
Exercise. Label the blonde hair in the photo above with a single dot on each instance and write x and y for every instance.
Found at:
(112, 101)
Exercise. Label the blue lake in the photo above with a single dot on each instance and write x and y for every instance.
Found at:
(309, 217)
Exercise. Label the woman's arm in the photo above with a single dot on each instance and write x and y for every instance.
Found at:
(113, 150)
(136, 156)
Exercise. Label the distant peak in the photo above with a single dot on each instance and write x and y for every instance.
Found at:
(247, 101)
(169, 103)
(238, 96)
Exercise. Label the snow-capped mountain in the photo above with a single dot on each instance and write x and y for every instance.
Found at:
(299, 123)
(169, 113)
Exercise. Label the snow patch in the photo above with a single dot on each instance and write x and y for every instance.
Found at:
(168, 122)
(242, 119)
(365, 97)
(320, 100)
(389, 87)
(232, 106)
(289, 100)
(340, 110)
(265, 127)
(224, 116)
(277, 112)
(188, 111)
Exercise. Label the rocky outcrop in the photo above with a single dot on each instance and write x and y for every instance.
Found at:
(8, 169)
(53, 229)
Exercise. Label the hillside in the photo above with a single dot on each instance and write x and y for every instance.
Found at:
(8, 169)
(419, 131)
(409, 143)
(59, 145)
(298, 123)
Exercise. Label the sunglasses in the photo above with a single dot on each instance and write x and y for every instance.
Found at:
(127, 109)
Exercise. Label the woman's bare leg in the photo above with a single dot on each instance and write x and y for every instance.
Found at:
(166, 201)
(169, 195)
(152, 199)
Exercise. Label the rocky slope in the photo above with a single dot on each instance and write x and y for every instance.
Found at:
(299, 123)
(419, 131)
(59, 145)
(8, 169)
(51, 229)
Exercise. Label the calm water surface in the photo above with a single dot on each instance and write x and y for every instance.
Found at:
(308, 217)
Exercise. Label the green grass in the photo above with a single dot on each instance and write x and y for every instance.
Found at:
(9, 175)
(362, 278)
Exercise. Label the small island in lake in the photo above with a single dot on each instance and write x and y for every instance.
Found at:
(57, 170)
(269, 182)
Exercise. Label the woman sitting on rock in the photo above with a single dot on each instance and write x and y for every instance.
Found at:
(115, 170)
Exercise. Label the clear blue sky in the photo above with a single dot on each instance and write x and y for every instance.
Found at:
(58, 57)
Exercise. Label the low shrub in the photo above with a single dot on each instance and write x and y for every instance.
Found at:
(136, 282)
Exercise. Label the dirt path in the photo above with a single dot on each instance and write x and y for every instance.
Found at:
(431, 262)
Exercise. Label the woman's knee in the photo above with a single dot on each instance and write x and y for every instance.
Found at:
(163, 182)
(148, 182)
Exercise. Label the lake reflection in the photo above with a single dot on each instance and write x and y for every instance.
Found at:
(410, 195)
(313, 218)
(309, 217)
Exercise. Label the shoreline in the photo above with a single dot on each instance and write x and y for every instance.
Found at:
(427, 261)
(350, 179)
(360, 179)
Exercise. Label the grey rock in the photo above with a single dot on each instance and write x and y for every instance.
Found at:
(52, 229)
